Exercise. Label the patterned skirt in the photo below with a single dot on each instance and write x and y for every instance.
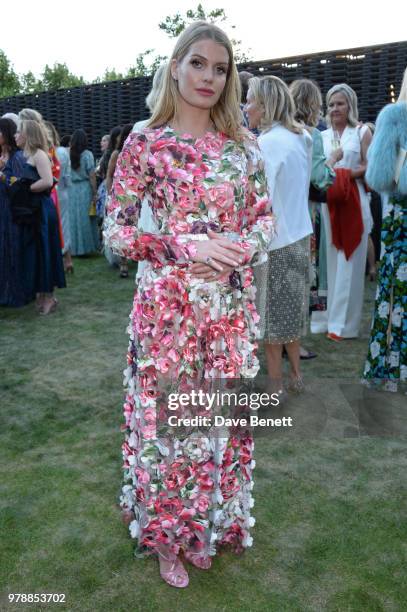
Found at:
(283, 292)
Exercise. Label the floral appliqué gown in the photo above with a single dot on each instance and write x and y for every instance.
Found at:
(190, 492)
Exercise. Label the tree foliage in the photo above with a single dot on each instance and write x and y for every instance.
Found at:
(29, 83)
(173, 25)
(9, 81)
(58, 76)
(146, 63)
(110, 74)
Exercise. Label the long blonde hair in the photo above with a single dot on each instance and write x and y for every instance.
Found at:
(403, 91)
(33, 115)
(35, 136)
(273, 95)
(153, 96)
(308, 101)
(52, 134)
(226, 114)
(352, 100)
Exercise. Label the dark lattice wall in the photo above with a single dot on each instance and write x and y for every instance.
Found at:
(374, 73)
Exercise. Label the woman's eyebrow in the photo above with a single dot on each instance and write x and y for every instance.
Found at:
(206, 59)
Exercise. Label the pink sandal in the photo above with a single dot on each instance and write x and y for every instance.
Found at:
(176, 575)
(51, 307)
(198, 559)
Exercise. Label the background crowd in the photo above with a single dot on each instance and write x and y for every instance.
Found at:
(327, 185)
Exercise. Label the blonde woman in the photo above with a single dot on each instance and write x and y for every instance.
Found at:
(287, 151)
(308, 105)
(193, 318)
(47, 266)
(53, 141)
(152, 98)
(347, 217)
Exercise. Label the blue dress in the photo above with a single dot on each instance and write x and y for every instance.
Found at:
(63, 194)
(16, 244)
(46, 267)
(83, 227)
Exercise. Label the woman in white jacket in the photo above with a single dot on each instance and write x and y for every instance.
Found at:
(287, 150)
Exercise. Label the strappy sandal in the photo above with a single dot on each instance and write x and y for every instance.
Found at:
(51, 308)
(198, 560)
(296, 385)
(176, 575)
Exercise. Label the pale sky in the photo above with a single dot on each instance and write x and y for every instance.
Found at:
(90, 36)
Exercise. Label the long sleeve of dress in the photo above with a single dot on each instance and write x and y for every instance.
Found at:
(259, 230)
(130, 185)
(390, 135)
(322, 176)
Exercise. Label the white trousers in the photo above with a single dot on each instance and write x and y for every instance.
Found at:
(346, 281)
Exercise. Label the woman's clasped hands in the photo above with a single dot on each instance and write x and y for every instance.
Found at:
(216, 258)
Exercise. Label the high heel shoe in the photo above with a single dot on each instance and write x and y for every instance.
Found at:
(50, 307)
(198, 560)
(176, 575)
(334, 337)
(124, 271)
(296, 385)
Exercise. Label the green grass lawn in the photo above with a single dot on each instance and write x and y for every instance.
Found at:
(331, 508)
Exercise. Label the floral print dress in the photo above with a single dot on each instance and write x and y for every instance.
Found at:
(187, 492)
(386, 363)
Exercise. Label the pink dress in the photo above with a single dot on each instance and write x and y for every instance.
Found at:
(189, 491)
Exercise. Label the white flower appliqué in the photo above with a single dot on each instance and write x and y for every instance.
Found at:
(374, 349)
